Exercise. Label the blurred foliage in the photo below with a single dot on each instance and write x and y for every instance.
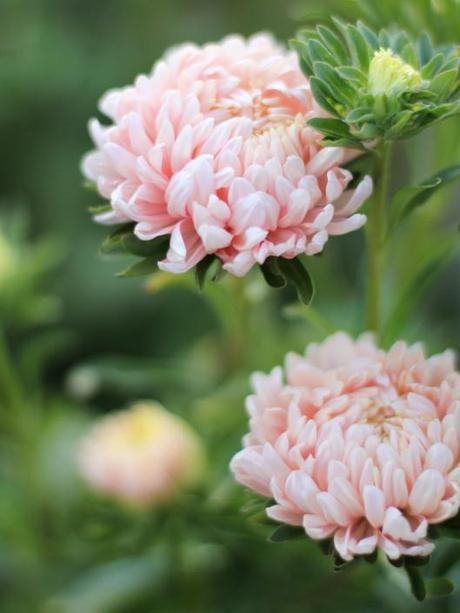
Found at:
(77, 342)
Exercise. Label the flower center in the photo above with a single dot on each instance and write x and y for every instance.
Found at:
(389, 74)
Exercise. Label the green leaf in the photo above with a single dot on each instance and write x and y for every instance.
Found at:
(334, 43)
(407, 199)
(294, 271)
(425, 49)
(417, 585)
(202, 269)
(271, 273)
(412, 292)
(323, 96)
(359, 48)
(443, 83)
(341, 91)
(397, 129)
(440, 586)
(330, 126)
(100, 208)
(286, 533)
(369, 35)
(113, 243)
(352, 74)
(433, 66)
(136, 246)
(319, 53)
(147, 266)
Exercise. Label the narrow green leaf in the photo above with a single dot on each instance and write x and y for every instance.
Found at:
(352, 74)
(147, 266)
(424, 48)
(359, 115)
(100, 208)
(330, 126)
(334, 43)
(286, 533)
(434, 65)
(443, 83)
(136, 246)
(359, 48)
(113, 243)
(294, 271)
(323, 96)
(319, 53)
(202, 269)
(272, 274)
(406, 302)
(342, 92)
(407, 199)
(440, 586)
(369, 35)
(397, 129)
(417, 585)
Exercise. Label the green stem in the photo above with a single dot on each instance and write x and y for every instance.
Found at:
(10, 389)
(376, 229)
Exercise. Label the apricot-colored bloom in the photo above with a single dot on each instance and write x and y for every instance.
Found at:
(213, 149)
(143, 455)
(358, 444)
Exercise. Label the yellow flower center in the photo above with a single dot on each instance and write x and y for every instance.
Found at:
(389, 74)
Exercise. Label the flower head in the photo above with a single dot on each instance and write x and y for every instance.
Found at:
(358, 444)
(212, 151)
(143, 455)
(388, 74)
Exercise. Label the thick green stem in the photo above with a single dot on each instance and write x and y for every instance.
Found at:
(376, 229)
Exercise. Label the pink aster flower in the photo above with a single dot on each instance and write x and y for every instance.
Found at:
(142, 455)
(357, 444)
(212, 149)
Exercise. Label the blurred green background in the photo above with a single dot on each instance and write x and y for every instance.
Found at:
(82, 342)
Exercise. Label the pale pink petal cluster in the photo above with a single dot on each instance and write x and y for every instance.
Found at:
(357, 444)
(213, 149)
(143, 455)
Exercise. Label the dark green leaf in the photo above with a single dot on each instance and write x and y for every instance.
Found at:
(202, 269)
(271, 273)
(136, 246)
(294, 271)
(147, 266)
(113, 243)
(329, 126)
(286, 533)
(417, 585)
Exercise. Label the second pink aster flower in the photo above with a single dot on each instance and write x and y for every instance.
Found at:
(213, 150)
(357, 444)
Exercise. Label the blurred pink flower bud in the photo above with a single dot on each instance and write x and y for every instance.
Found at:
(143, 455)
